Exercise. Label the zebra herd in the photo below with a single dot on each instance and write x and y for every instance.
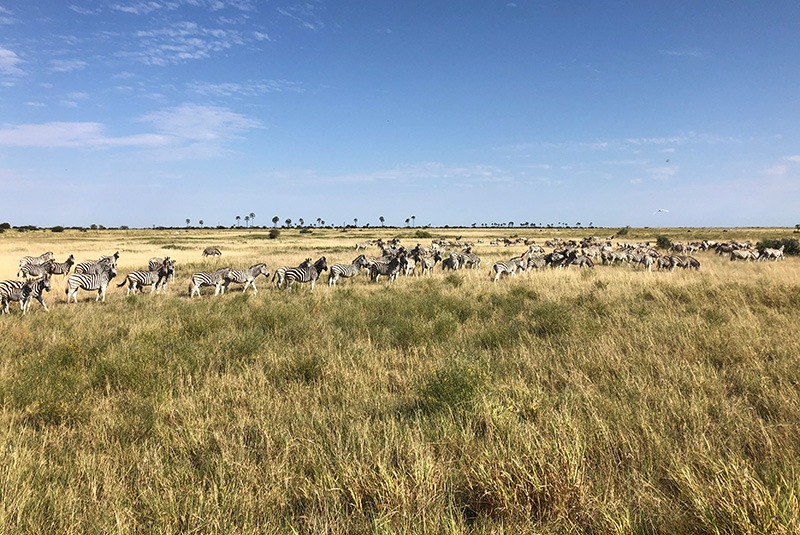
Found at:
(394, 261)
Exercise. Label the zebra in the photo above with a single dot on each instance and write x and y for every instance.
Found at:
(245, 276)
(154, 278)
(305, 274)
(509, 268)
(280, 273)
(62, 268)
(24, 292)
(207, 278)
(91, 267)
(110, 259)
(94, 281)
(469, 259)
(452, 262)
(688, 262)
(36, 270)
(36, 260)
(389, 267)
(363, 245)
(429, 262)
(346, 270)
(155, 263)
(211, 251)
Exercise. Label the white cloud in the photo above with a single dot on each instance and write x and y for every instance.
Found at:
(143, 8)
(184, 41)
(683, 52)
(248, 88)
(795, 159)
(9, 62)
(67, 65)
(199, 123)
(69, 135)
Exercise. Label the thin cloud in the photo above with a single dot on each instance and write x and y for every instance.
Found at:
(69, 135)
(199, 123)
(67, 65)
(248, 88)
(184, 41)
(143, 8)
(9, 62)
(795, 159)
(683, 52)
(305, 15)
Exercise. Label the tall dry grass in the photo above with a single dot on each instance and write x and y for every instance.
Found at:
(610, 400)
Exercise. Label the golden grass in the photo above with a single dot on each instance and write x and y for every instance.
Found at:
(563, 401)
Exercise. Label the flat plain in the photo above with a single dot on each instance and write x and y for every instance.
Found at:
(608, 400)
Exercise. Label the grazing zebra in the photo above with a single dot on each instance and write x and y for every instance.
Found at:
(536, 262)
(23, 292)
(346, 270)
(245, 276)
(280, 273)
(452, 262)
(469, 259)
(508, 268)
(388, 267)
(688, 262)
(207, 278)
(363, 245)
(305, 274)
(36, 260)
(211, 251)
(155, 263)
(154, 278)
(427, 263)
(94, 281)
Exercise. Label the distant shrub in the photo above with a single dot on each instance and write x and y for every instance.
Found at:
(57, 228)
(662, 242)
(791, 246)
(306, 230)
(623, 231)
(423, 234)
(274, 233)
(5, 226)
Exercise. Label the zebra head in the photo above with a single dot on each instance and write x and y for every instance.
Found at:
(321, 264)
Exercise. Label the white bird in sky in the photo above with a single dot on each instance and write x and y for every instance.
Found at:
(661, 211)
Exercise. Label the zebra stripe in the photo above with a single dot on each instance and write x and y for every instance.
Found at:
(245, 276)
(508, 268)
(388, 267)
(36, 260)
(62, 268)
(23, 292)
(91, 267)
(93, 281)
(155, 263)
(280, 273)
(346, 270)
(35, 270)
(207, 278)
(137, 280)
(305, 274)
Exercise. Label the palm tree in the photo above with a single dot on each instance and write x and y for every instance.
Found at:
(510, 224)
(407, 220)
(288, 222)
(238, 218)
(381, 219)
(319, 221)
(322, 222)
(187, 221)
(275, 220)
(300, 220)
(413, 219)
(247, 220)
(201, 223)
(252, 216)
(355, 221)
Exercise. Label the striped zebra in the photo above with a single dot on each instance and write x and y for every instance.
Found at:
(245, 276)
(212, 251)
(508, 268)
(23, 292)
(35, 270)
(36, 260)
(207, 278)
(91, 267)
(155, 263)
(346, 270)
(62, 268)
(469, 259)
(427, 263)
(280, 273)
(94, 281)
(155, 278)
(388, 267)
(305, 274)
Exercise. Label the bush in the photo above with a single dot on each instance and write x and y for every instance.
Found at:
(623, 231)
(274, 233)
(662, 242)
(423, 234)
(5, 226)
(57, 228)
(791, 246)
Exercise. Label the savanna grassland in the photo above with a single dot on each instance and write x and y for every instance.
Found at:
(610, 400)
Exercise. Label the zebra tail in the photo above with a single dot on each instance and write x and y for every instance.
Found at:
(120, 285)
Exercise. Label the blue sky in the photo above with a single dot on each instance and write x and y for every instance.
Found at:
(149, 112)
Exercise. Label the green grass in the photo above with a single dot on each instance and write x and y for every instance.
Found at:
(618, 401)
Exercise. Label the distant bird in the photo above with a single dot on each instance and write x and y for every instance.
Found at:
(661, 211)
(667, 160)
